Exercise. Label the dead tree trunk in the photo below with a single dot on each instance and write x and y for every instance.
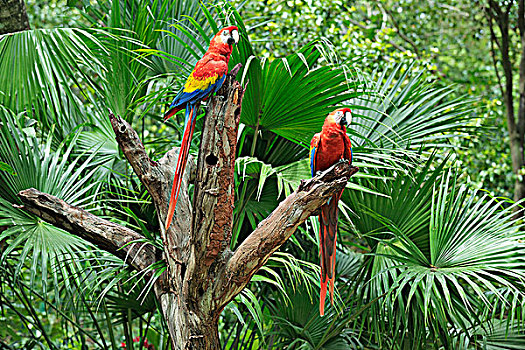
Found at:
(203, 274)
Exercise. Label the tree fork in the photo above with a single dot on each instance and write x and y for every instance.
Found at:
(203, 275)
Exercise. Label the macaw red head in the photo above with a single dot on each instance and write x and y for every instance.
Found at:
(341, 117)
(223, 41)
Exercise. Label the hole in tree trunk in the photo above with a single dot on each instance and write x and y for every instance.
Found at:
(182, 270)
(211, 159)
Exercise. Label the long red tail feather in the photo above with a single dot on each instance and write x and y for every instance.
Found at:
(322, 296)
(181, 164)
(327, 240)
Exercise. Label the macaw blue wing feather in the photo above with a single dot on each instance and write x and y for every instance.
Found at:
(314, 145)
(185, 96)
(312, 160)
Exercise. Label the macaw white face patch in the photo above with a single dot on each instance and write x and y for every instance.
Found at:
(348, 116)
(337, 117)
(235, 36)
(224, 36)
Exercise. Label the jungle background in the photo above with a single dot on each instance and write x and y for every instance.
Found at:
(430, 248)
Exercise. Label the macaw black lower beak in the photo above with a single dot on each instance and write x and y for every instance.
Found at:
(343, 121)
(231, 41)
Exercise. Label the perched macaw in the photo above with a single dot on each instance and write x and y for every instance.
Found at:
(206, 78)
(327, 148)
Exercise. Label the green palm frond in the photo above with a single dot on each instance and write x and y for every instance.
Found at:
(292, 96)
(37, 165)
(300, 326)
(55, 172)
(498, 335)
(251, 211)
(407, 202)
(439, 267)
(98, 138)
(398, 108)
(187, 20)
(45, 73)
(288, 176)
(132, 27)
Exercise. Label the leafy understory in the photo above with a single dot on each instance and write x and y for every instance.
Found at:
(424, 260)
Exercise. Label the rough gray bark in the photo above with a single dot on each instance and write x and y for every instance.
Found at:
(13, 16)
(203, 275)
(104, 234)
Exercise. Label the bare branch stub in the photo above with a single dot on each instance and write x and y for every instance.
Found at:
(157, 177)
(273, 231)
(106, 235)
(133, 149)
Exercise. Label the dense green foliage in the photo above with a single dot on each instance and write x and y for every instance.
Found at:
(425, 258)
(448, 40)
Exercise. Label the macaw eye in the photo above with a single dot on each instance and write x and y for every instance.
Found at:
(235, 36)
(338, 114)
(225, 33)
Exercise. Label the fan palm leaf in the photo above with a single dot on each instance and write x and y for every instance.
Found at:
(45, 73)
(56, 172)
(439, 253)
(399, 108)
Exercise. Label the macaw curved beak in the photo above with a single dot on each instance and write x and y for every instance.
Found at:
(231, 41)
(343, 121)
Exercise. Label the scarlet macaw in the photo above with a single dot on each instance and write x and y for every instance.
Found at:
(206, 78)
(327, 148)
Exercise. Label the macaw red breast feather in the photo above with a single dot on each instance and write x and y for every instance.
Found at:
(327, 148)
